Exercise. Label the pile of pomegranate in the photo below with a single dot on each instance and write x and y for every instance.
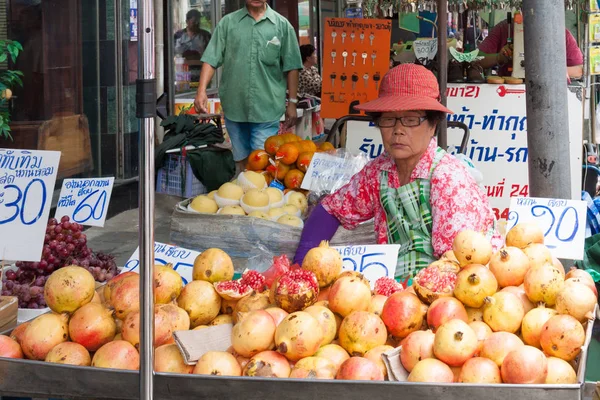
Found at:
(64, 244)
(472, 317)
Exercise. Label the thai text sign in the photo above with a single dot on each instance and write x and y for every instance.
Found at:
(27, 179)
(85, 201)
(373, 261)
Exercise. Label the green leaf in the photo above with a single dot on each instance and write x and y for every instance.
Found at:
(3, 57)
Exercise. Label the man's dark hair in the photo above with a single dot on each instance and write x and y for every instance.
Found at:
(193, 14)
(306, 50)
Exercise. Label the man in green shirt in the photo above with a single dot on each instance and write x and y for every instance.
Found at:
(259, 52)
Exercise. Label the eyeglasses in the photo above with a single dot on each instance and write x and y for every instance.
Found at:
(390, 122)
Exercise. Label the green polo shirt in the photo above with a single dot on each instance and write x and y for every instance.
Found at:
(255, 56)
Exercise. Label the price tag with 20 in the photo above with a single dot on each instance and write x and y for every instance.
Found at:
(85, 201)
(563, 223)
(27, 179)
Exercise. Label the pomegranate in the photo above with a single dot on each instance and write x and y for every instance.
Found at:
(585, 282)
(576, 300)
(17, 333)
(482, 331)
(253, 334)
(254, 279)
(125, 296)
(377, 303)
(232, 290)
(326, 319)
(42, 334)
(96, 298)
(227, 306)
(480, 370)
(167, 284)
(523, 234)
(534, 320)
(503, 312)
(509, 266)
(520, 293)
(431, 370)
(325, 262)
(118, 354)
(359, 369)
(201, 301)
(498, 345)
(299, 335)
(243, 361)
(213, 265)
(455, 342)
(277, 314)
(526, 365)
(562, 336)
(443, 310)
(92, 326)
(474, 314)
(9, 347)
(268, 364)
(542, 284)
(350, 293)
(473, 284)
(574, 272)
(167, 358)
(324, 295)
(416, 347)
(560, 372)
(361, 331)
(69, 288)
(558, 265)
(435, 281)
(471, 247)
(386, 286)
(375, 355)
(449, 255)
(334, 353)
(295, 290)
(255, 301)
(110, 285)
(218, 363)
(538, 255)
(162, 328)
(221, 320)
(69, 353)
(403, 313)
(280, 266)
(314, 368)
(180, 320)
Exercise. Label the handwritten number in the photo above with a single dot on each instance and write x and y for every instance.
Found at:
(21, 201)
(14, 204)
(93, 210)
(39, 214)
(513, 216)
(363, 267)
(542, 213)
(575, 227)
(353, 263)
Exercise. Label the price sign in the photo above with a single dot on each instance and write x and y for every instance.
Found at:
(328, 172)
(85, 201)
(373, 261)
(563, 223)
(182, 260)
(27, 180)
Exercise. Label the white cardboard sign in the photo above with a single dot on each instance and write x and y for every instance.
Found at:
(563, 223)
(373, 261)
(330, 172)
(182, 260)
(27, 179)
(85, 201)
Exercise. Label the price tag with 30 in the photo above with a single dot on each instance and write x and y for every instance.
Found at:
(562, 221)
(85, 201)
(373, 261)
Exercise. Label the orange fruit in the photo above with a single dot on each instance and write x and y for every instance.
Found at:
(287, 154)
(257, 160)
(273, 143)
(278, 172)
(304, 160)
(290, 138)
(326, 146)
(305, 146)
(293, 179)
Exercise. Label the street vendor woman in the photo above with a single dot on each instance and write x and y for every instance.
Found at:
(419, 196)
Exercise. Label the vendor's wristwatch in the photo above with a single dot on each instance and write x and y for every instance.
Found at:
(293, 101)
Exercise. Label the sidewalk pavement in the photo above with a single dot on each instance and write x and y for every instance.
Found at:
(119, 236)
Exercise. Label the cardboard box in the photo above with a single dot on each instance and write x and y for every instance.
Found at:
(9, 308)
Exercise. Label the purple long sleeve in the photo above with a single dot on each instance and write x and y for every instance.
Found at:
(320, 226)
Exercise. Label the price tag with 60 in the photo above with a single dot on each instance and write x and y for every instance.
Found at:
(181, 259)
(85, 201)
(562, 221)
(373, 261)
(27, 179)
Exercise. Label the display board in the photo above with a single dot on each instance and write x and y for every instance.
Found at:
(356, 56)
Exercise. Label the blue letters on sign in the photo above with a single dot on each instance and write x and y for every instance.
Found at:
(364, 265)
(555, 227)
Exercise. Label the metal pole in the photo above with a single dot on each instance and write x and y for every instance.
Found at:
(547, 108)
(146, 111)
(442, 32)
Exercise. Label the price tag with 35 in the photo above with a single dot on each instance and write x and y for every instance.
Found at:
(27, 179)
(85, 201)
(373, 261)
(562, 221)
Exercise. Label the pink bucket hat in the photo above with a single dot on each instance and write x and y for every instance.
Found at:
(406, 87)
